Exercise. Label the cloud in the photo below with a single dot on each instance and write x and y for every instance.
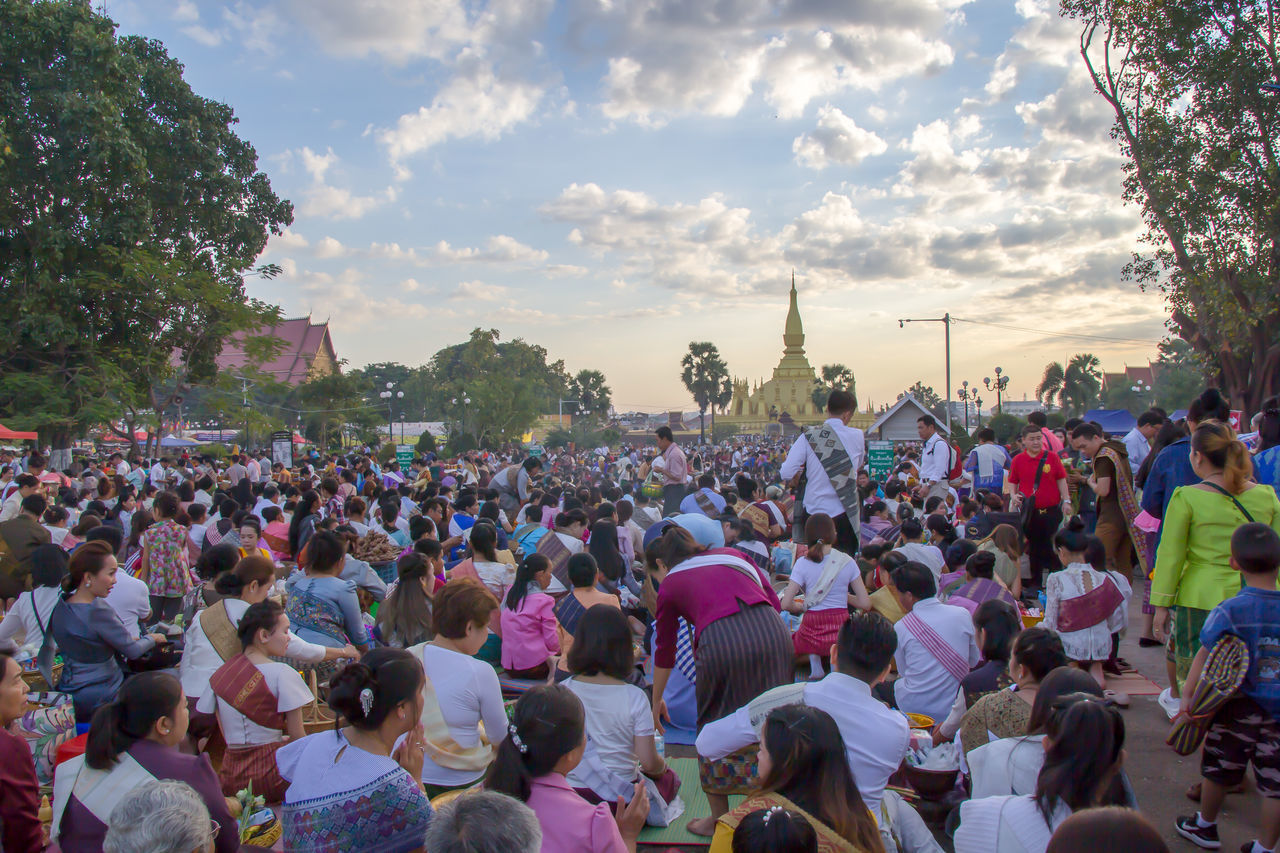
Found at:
(323, 200)
(479, 291)
(330, 248)
(837, 139)
(498, 249)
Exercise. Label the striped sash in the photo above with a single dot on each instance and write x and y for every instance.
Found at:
(704, 502)
(557, 552)
(950, 659)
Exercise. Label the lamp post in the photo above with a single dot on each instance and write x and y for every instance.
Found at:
(1140, 390)
(389, 395)
(998, 386)
(465, 400)
(946, 321)
(577, 403)
(965, 394)
(977, 405)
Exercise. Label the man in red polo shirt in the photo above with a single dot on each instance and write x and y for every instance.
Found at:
(1038, 470)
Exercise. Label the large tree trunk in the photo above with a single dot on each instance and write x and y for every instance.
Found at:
(60, 450)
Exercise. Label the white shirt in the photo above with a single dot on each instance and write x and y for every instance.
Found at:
(468, 692)
(200, 659)
(1138, 446)
(291, 693)
(130, 598)
(819, 494)
(924, 686)
(159, 474)
(262, 504)
(935, 460)
(122, 468)
(1005, 825)
(1006, 766)
(12, 506)
(875, 737)
(22, 621)
(806, 573)
(930, 555)
(617, 714)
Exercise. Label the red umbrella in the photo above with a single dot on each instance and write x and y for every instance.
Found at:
(17, 435)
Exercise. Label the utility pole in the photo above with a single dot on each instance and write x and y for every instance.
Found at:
(946, 321)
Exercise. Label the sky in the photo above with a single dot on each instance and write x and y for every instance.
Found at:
(612, 179)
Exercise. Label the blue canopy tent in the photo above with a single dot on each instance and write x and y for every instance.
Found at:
(1114, 421)
(177, 441)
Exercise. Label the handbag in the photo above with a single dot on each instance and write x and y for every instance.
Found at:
(1029, 503)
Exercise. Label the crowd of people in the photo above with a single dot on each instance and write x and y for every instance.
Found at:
(487, 652)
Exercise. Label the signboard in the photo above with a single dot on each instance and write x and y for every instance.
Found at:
(880, 459)
(1236, 419)
(536, 451)
(404, 455)
(282, 448)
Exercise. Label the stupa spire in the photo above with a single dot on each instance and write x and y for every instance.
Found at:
(793, 332)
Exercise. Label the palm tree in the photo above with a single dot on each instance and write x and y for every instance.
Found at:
(705, 375)
(834, 377)
(1075, 386)
(594, 397)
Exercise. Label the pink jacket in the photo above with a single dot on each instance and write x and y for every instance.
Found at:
(569, 823)
(529, 634)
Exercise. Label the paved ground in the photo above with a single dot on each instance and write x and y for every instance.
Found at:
(1158, 774)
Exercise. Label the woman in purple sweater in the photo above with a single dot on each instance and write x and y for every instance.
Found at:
(741, 646)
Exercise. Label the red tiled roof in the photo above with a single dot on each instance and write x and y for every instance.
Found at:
(303, 341)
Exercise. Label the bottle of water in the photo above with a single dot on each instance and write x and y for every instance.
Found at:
(660, 744)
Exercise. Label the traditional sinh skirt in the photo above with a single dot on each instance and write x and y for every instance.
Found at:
(738, 658)
(242, 764)
(818, 630)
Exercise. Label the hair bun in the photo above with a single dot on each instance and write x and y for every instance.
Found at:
(1211, 399)
(345, 688)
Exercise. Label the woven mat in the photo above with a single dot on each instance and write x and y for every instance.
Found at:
(1134, 684)
(695, 805)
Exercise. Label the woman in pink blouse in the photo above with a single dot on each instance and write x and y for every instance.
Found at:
(530, 640)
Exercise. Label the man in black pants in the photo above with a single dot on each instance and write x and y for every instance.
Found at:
(674, 468)
(1037, 475)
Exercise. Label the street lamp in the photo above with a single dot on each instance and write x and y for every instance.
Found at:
(1140, 389)
(389, 395)
(965, 394)
(998, 386)
(577, 403)
(977, 405)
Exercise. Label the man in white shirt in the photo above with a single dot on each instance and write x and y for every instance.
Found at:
(116, 462)
(936, 647)
(819, 493)
(935, 459)
(28, 484)
(914, 548)
(1138, 440)
(237, 471)
(270, 497)
(159, 474)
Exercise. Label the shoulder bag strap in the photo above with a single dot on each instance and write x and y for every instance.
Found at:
(1215, 487)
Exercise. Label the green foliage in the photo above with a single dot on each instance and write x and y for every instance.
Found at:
(1122, 396)
(1199, 138)
(927, 397)
(834, 376)
(1075, 386)
(1005, 427)
(333, 403)
(706, 376)
(1179, 375)
(593, 395)
(426, 443)
(130, 213)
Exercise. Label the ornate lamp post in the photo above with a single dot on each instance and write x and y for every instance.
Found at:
(998, 386)
(389, 395)
(966, 395)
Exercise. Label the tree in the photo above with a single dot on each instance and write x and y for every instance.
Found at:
(927, 397)
(129, 215)
(834, 377)
(593, 396)
(705, 375)
(1199, 137)
(1122, 396)
(329, 403)
(1075, 386)
(1179, 375)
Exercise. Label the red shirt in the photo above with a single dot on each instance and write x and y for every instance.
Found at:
(1022, 473)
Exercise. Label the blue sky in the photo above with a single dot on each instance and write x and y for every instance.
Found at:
(612, 179)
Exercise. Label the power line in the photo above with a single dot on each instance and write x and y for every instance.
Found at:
(1057, 334)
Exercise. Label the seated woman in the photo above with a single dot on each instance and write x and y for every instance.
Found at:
(885, 599)
(530, 640)
(583, 575)
(20, 806)
(1083, 605)
(619, 721)
(1005, 544)
(462, 710)
(404, 619)
(354, 789)
(804, 769)
(89, 633)
(1037, 651)
(546, 742)
(527, 535)
(259, 703)
(209, 566)
(979, 584)
(995, 625)
(133, 740)
(485, 566)
(826, 577)
(878, 525)
(26, 620)
(1010, 765)
(323, 607)
(1084, 749)
(251, 538)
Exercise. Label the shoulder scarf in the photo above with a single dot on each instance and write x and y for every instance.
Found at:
(738, 564)
(440, 745)
(569, 612)
(828, 840)
(948, 657)
(983, 589)
(557, 552)
(242, 686)
(834, 457)
(99, 791)
(704, 502)
(1130, 509)
(221, 631)
(1092, 608)
(524, 530)
(835, 564)
(758, 517)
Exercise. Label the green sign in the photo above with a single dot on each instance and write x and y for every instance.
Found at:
(404, 455)
(879, 459)
(536, 451)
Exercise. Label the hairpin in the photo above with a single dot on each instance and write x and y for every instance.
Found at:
(770, 812)
(515, 738)
(366, 701)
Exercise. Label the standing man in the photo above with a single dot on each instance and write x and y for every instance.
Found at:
(512, 484)
(1112, 483)
(1037, 475)
(830, 455)
(935, 459)
(988, 462)
(19, 536)
(674, 467)
(1137, 441)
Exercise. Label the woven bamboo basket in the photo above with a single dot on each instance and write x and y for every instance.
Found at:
(35, 681)
(316, 717)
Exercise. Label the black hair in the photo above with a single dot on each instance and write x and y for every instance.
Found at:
(35, 504)
(1040, 650)
(665, 432)
(1107, 828)
(217, 560)
(530, 566)
(231, 582)
(604, 547)
(1085, 738)
(1210, 405)
(981, 564)
(1150, 418)
(429, 548)
(394, 677)
(927, 420)
(48, 565)
(1000, 623)
(1255, 547)
(140, 702)
(602, 644)
(911, 530)
(571, 516)
(582, 570)
(547, 724)
(1060, 682)
(775, 830)
(958, 553)
(1037, 418)
(916, 579)
(1072, 537)
(531, 463)
(262, 616)
(305, 509)
(325, 552)
(841, 401)
(404, 618)
(484, 541)
(113, 536)
(985, 434)
(865, 644)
